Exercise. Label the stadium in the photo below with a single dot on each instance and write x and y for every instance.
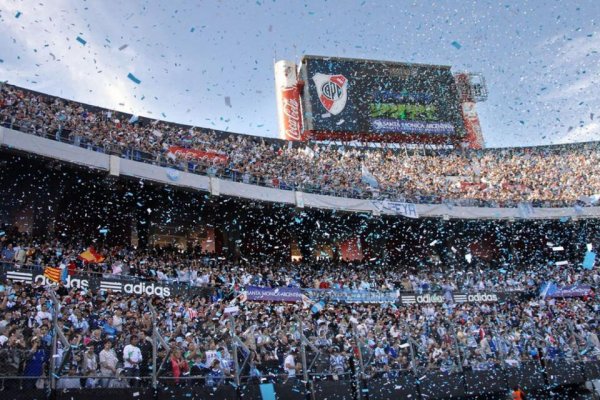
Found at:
(149, 259)
(375, 250)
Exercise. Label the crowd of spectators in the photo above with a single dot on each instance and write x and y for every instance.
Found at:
(192, 267)
(110, 334)
(553, 175)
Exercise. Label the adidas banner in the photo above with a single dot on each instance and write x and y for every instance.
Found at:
(127, 285)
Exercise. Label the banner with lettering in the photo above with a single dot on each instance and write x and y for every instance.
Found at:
(397, 208)
(195, 154)
(256, 293)
(351, 296)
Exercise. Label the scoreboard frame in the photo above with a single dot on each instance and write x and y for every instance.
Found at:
(328, 93)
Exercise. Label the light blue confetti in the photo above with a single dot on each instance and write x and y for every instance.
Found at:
(81, 40)
(133, 78)
(18, 14)
(456, 45)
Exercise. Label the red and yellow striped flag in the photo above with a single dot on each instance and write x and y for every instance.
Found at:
(53, 274)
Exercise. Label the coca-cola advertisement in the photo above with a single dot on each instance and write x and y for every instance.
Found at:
(292, 117)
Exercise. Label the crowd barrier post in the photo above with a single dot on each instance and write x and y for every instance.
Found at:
(409, 340)
(361, 367)
(306, 368)
(303, 356)
(234, 344)
(53, 360)
(157, 338)
(455, 343)
(154, 346)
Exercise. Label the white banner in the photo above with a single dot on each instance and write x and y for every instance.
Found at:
(397, 208)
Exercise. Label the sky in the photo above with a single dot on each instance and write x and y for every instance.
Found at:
(210, 63)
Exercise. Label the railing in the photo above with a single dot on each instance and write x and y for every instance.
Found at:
(208, 169)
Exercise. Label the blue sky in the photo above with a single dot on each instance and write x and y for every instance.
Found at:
(210, 63)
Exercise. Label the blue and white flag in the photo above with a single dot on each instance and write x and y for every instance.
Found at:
(317, 307)
(367, 177)
(548, 289)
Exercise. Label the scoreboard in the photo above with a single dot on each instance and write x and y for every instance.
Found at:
(379, 100)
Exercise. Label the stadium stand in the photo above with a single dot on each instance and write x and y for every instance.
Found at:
(504, 326)
(550, 176)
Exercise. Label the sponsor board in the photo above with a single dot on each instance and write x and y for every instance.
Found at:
(436, 298)
(256, 293)
(116, 285)
(147, 288)
(387, 125)
(17, 276)
(351, 296)
(291, 114)
(72, 281)
(39, 278)
(193, 154)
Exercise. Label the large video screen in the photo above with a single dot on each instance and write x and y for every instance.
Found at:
(377, 97)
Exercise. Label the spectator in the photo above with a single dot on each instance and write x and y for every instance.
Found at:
(108, 363)
(179, 367)
(132, 356)
(34, 363)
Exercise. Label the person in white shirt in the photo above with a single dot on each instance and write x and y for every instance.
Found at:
(289, 364)
(43, 314)
(132, 357)
(118, 320)
(108, 363)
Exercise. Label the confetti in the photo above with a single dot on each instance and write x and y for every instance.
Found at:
(81, 40)
(456, 45)
(133, 78)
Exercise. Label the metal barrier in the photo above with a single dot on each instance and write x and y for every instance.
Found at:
(379, 386)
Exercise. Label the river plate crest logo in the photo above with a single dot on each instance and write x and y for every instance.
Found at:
(332, 91)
